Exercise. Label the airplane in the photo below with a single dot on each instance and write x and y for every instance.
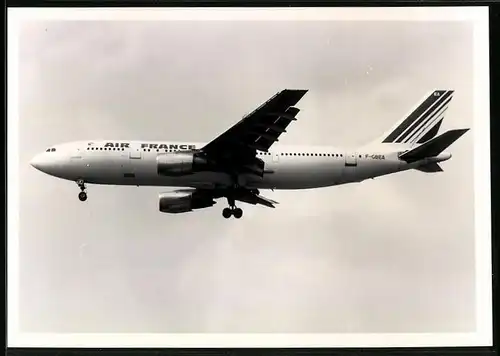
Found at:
(240, 162)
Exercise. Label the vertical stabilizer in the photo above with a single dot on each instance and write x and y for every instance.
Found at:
(423, 121)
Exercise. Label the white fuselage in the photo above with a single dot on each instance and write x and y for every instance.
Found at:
(286, 167)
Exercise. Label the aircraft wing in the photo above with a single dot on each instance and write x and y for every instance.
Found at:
(256, 131)
(249, 196)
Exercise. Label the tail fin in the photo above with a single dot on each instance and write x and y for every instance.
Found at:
(433, 147)
(423, 122)
(431, 133)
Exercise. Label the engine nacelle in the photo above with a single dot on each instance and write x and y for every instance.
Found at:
(179, 164)
(182, 202)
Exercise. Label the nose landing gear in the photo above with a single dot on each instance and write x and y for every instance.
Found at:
(82, 195)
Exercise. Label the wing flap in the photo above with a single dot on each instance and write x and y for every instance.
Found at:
(245, 195)
(255, 199)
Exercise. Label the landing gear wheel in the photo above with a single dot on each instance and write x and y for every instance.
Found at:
(238, 213)
(82, 196)
(226, 213)
(232, 210)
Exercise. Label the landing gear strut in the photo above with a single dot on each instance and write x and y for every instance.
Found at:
(232, 210)
(82, 195)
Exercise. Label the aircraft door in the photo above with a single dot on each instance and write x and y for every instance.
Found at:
(132, 159)
(135, 152)
(77, 162)
(350, 159)
(76, 154)
(276, 157)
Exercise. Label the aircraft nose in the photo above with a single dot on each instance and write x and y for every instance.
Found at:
(38, 162)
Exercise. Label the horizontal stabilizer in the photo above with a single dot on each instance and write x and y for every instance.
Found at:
(433, 147)
(430, 168)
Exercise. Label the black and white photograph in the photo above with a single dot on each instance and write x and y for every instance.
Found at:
(241, 177)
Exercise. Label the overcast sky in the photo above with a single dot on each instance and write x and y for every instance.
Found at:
(395, 254)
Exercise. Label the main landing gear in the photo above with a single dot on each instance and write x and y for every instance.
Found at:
(82, 195)
(232, 210)
(236, 212)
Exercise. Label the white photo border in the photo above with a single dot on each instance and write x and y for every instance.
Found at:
(484, 333)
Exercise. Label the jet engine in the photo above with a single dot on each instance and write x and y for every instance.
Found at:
(179, 164)
(183, 201)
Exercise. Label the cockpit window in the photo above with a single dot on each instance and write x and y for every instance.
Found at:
(50, 150)
(53, 150)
